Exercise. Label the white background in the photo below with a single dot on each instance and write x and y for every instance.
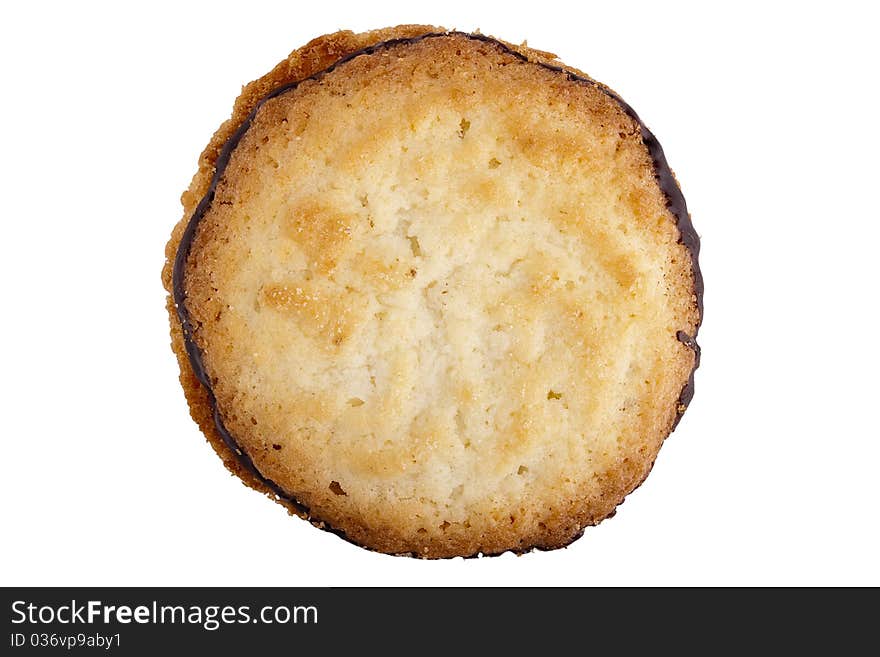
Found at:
(768, 116)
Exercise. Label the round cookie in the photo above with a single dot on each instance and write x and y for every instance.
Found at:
(436, 293)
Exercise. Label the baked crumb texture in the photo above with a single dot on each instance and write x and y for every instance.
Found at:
(437, 294)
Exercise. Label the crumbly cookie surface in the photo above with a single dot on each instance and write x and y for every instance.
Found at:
(437, 293)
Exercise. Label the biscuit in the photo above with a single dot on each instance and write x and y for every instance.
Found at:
(436, 293)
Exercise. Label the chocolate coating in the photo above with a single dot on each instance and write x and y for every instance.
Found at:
(674, 199)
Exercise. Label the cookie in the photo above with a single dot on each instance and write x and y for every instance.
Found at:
(436, 293)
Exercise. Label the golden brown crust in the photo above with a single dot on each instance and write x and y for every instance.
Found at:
(321, 235)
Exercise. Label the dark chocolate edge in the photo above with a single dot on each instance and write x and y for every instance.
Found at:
(674, 199)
